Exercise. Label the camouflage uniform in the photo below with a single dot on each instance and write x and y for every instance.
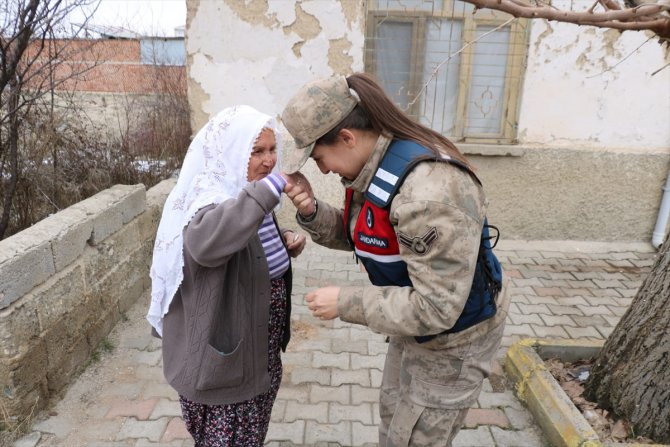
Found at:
(426, 388)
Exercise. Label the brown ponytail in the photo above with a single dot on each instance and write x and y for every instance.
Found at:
(384, 115)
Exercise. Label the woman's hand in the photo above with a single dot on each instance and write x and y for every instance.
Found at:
(295, 243)
(323, 302)
(300, 192)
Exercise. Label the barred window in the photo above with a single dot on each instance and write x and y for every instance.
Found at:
(454, 70)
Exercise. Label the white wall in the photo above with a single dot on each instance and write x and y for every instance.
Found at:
(588, 87)
(259, 54)
(592, 118)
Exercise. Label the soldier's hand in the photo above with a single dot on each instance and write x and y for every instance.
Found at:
(323, 302)
(299, 190)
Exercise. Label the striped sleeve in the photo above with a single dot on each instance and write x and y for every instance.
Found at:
(275, 182)
(275, 252)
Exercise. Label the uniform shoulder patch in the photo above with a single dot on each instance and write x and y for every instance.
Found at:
(419, 244)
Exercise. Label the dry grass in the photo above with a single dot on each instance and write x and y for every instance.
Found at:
(12, 429)
(64, 160)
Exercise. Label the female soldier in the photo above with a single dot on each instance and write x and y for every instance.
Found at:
(221, 280)
(414, 214)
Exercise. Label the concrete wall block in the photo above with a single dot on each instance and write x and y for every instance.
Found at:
(109, 253)
(105, 220)
(60, 296)
(23, 381)
(157, 195)
(73, 230)
(146, 224)
(26, 262)
(133, 292)
(19, 326)
(134, 200)
(30, 369)
(591, 199)
(111, 208)
(121, 281)
(102, 327)
(62, 369)
(65, 333)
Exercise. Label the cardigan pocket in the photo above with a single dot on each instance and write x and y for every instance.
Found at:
(221, 370)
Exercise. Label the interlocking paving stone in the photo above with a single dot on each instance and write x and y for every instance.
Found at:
(530, 437)
(369, 361)
(340, 432)
(359, 412)
(296, 411)
(287, 431)
(176, 429)
(356, 377)
(310, 375)
(486, 416)
(166, 407)
(140, 409)
(578, 333)
(330, 390)
(152, 430)
(339, 394)
(364, 435)
(361, 394)
(479, 437)
(519, 419)
(558, 320)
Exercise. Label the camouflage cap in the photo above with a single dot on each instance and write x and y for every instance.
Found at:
(312, 112)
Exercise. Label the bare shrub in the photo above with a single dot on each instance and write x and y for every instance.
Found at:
(64, 160)
(51, 155)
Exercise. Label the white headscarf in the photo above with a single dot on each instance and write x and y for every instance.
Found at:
(214, 170)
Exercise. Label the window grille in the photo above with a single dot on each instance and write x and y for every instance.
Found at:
(453, 69)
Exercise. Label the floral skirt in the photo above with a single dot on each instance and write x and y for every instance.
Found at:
(242, 424)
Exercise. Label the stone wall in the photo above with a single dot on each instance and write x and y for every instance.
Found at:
(64, 283)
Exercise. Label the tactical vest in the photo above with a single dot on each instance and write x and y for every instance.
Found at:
(376, 243)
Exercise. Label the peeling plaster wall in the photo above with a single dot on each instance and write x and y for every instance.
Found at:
(592, 88)
(594, 133)
(259, 52)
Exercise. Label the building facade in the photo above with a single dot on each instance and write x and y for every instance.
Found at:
(566, 125)
(114, 79)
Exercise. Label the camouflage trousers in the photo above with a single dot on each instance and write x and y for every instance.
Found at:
(425, 394)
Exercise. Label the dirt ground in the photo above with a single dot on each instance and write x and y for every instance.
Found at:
(571, 377)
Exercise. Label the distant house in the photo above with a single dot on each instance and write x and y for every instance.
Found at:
(109, 75)
(566, 125)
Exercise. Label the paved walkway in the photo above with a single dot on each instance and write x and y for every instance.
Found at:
(333, 370)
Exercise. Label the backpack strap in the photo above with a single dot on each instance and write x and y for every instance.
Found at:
(400, 158)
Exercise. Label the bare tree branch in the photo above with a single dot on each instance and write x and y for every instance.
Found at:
(31, 67)
(647, 16)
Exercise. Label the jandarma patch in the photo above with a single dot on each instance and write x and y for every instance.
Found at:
(419, 244)
(373, 241)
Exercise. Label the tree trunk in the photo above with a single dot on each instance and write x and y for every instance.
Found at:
(9, 186)
(631, 376)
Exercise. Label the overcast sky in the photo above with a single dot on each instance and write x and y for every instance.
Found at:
(148, 17)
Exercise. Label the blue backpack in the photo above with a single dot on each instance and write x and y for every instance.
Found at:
(399, 159)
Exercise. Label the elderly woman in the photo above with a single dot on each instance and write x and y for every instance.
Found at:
(221, 280)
